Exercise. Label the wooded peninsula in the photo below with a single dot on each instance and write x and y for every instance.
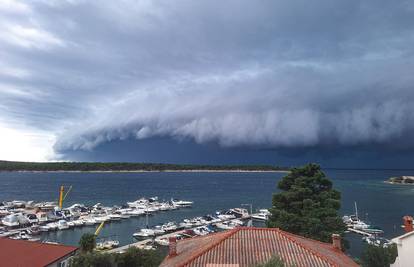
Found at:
(128, 167)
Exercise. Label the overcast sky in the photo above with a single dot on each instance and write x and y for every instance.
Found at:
(79, 76)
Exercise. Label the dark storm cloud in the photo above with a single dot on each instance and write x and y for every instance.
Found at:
(238, 73)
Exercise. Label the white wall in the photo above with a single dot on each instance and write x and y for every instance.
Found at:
(405, 252)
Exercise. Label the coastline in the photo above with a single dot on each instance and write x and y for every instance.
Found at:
(144, 171)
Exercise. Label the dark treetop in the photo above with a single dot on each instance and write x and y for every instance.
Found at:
(307, 204)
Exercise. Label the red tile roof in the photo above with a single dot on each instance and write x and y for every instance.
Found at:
(247, 246)
(19, 253)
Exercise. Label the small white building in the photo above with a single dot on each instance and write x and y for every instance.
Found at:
(405, 245)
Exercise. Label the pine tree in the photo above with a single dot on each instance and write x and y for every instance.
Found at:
(307, 204)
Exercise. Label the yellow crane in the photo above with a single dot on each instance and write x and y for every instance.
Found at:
(99, 228)
(62, 195)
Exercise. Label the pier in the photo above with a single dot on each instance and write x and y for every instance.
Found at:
(360, 232)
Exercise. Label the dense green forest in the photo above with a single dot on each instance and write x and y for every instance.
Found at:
(124, 166)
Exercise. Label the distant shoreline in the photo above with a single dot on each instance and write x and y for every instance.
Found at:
(145, 171)
(101, 167)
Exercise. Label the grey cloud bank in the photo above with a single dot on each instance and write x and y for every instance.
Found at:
(266, 74)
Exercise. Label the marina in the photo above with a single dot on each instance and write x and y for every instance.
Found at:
(208, 191)
(27, 219)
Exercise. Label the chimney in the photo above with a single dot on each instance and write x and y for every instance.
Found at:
(172, 246)
(336, 241)
(408, 223)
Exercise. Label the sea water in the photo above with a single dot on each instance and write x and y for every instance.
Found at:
(379, 203)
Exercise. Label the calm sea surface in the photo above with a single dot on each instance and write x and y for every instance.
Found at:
(381, 204)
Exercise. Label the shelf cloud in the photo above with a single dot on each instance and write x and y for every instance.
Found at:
(274, 74)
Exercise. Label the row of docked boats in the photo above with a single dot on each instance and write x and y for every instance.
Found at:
(23, 219)
(219, 219)
(197, 226)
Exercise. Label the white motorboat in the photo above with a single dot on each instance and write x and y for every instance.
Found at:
(115, 217)
(228, 225)
(100, 219)
(78, 222)
(237, 222)
(158, 230)
(169, 227)
(136, 212)
(42, 217)
(22, 235)
(186, 224)
(144, 233)
(11, 220)
(125, 215)
(139, 204)
(108, 244)
(181, 203)
(262, 215)
(225, 217)
(360, 225)
(32, 218)
(4, 212)
(202, 230)
(71, 224)
(44, 228)
(89, 221)
(62, 225)
(377, 241)
(164, 207)
(240, 213)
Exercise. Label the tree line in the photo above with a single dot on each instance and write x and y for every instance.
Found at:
(126, 166)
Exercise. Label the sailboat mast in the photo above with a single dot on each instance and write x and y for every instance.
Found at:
(356, 210)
